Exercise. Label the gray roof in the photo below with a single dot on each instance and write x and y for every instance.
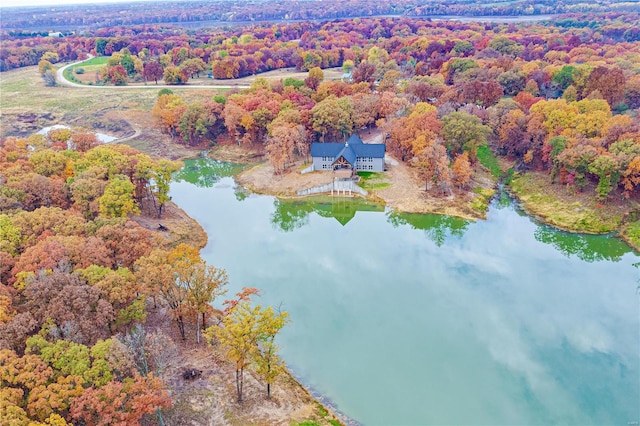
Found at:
(348, 154)
(354, 147)
(330, 149)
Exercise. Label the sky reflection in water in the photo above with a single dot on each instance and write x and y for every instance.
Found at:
(421, 319)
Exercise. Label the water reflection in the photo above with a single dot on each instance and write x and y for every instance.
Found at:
(204, 172)
(589, 248)
(293, 214)
(436, 227)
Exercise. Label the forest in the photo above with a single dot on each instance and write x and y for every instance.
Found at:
(560, 97)
(80, 276)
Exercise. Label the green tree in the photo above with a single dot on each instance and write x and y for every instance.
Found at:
(564, 77)
(10, 235)
(194, 123)
(161, 180)
(128, 64)
(506, 46)
(464, 132)
(295, 83)
(608, 170)
(333, 117)
(118, 200)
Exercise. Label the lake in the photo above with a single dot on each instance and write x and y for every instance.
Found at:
(402, 319)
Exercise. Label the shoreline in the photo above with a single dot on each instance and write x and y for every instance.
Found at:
(577, 213)
(403, 193)
(418, 202)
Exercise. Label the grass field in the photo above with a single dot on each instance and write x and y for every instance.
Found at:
(91, 68)
(27, 105)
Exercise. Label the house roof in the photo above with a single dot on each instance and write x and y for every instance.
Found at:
(354, 139)
(347, 153)
(354, 147)
(330, 149)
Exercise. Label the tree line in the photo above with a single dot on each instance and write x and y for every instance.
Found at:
(243, 51)
(72, 17)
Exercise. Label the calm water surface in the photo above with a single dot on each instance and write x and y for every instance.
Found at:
(431, 320)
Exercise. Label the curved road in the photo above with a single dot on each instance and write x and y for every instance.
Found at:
(64, 82)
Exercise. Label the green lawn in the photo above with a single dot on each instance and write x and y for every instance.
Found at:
(90, 67)
(371, 181)
(98, 60)
(487, 159)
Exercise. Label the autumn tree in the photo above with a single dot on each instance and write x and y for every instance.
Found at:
(408, 136)
(203, 284)
(364, 73)
(48, 162)
(83, 141)
(86, 189)
(248, 333)
(609, 82)
(193, 67)
(485, 93)
(433, 165)
(116, 74)
(283, 141)
(44, 66)
(315, 77)
(173, 75)
(167, 111)
(265, 357)
(76, 310)
(461, 170)
(155, 273)
(153, 71)
(120, 402)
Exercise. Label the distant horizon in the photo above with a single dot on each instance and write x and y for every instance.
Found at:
(47, 3)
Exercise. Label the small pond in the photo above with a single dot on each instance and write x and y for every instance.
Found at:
(102, 137)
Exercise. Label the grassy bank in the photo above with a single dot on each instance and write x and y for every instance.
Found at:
(631, 234)
(564, 208)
